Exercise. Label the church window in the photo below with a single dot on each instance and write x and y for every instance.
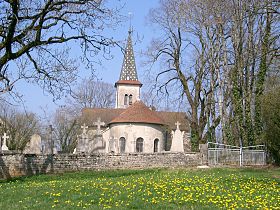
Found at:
(156, 144)
(130, 99)
(125, 99)
(122, 145)
(139, 144)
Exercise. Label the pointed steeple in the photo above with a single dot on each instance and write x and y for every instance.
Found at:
(128, 86)
(128, 71)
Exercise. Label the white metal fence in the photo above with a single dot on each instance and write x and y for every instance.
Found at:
(222, 154)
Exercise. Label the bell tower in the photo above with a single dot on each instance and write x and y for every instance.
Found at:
(128, 86)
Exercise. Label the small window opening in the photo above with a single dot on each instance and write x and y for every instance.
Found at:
(156, 144)
(125, 99)
(139, 144)
(130, 99)
(122, 145)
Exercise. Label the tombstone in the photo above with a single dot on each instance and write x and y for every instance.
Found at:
(34, 146)
(99, 124)
(203, 148)
(177, 144)
(82, 146)
(4, 145)
(187, 142)
(96, 143)
(47, 147)
(84, 127)
(112, 145)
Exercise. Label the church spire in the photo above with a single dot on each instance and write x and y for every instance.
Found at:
(128, 86)
(128, 71)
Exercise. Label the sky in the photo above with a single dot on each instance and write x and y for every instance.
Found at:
(38, 101)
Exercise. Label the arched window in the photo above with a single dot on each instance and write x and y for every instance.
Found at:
(122, 145)
(125, 99)
(130, 99)
(156, 145)
(139, 144)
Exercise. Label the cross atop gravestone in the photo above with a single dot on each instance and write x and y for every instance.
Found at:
(99, 124)
(84, 127)
(177, 144)
(177, 124)
(4, 146)
(83, 140)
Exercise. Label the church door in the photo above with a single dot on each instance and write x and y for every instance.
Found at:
(156, 143)
(139, 144)
(122, 145)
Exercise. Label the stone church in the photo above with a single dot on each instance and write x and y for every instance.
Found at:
(132, 127)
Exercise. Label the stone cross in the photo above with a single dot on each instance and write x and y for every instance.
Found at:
(177, 124)
(177, 144)
(4, 146)
(99, 124)
(84, 127)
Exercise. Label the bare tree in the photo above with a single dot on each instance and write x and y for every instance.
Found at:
(35, 38)
(88, 94)
(20, 126)
(91, 93)
(190, 76)
(65, 130)
(219, 53)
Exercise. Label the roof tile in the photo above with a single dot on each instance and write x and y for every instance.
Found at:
(140, 113)
(90, 115)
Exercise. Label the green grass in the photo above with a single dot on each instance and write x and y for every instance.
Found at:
(146, 189)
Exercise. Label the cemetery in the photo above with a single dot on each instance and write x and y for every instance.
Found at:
(131, 136)
(192, 123)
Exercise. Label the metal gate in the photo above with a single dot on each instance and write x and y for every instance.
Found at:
(222, 154)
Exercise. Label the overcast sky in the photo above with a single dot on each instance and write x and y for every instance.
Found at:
(36, 100)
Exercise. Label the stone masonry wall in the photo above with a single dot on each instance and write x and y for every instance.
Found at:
(12, 165)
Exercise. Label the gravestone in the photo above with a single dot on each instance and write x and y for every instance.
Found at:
(112, 145)
(203, 148)
(177, 144)
(4, 144)
(34, 146)
(84, 127)
(96, 144)
(187, 142)
(83, 139)
(99, 124)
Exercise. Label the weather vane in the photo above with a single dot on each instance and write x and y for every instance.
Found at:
(130, 18)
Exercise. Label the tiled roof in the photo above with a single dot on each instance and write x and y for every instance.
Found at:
(172, 117)
(129, 82)
(90, 115)
(138, 112)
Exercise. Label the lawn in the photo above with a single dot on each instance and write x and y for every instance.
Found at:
(146, 189)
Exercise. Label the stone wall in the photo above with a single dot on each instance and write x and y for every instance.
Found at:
(12, 165)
